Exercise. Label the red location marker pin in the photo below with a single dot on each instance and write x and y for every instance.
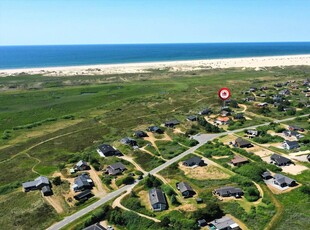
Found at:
(224, 93)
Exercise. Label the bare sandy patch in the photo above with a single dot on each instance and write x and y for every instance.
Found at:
(204, 172)
(187, 208)
(55, 202)
(294, 169)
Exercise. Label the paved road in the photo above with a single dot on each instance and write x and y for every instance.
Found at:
(202, 139)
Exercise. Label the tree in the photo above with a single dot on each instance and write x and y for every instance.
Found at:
(57, 180)
(128, 180)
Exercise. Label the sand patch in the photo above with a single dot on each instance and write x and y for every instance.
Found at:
(204, 172)
(294, 169)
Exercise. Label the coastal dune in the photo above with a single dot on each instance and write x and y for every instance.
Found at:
(252, 62)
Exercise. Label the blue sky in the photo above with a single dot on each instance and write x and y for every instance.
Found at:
(40, 22)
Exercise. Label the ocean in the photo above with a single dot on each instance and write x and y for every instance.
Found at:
(13, 57)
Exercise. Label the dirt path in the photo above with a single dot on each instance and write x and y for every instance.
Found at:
(277, 216)
(117, 203)
(130, 159)
(244, 107)
(261, 192)
(40, 143)
(144, 150)
(54, 201)
(97, 181)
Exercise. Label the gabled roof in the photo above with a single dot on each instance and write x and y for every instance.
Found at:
(128, 140)
(117, 165)
(157, 196)
(228, 190)
(292, 144)
(280, 159)
(266, 174)
(283, 179)
(193, 161)
(172, 122)
(183, 187)
(96, 226)
(82, 180)
(42, 180)
(140, 133)
(105, 148)
(222, 119)
(239, 159)
(223, 223)
(242, 141)
(83, 194)
(192, 118)
(81, 163)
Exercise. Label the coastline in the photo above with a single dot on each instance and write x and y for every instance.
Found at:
(188, 65)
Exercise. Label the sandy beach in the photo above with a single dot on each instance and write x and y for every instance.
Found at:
(253, 62)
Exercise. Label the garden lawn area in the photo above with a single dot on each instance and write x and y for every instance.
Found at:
(170, 149)
(24, 210)
(146, 161)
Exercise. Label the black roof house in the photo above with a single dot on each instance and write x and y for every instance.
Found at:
(283, 181)
(40, 183)
(172, 123)
(290, 144)
(280, 160)
(140, 134)
(81, 165)
(106, 150)
(242, 143)
(82, 182)
(155, 129)
(157, 199)
(194, 161)
(115, 169)
(185, 189)
(239, 116)
(205, 111)
(229, 191)
(83, 195)
(129, 141)
(266, 175)
(192, 118)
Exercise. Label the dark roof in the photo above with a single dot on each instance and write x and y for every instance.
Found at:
(226, 190)
(104, 148)
(280, 159)
(157, 196)
(242, 142)
(193, 161)
(38, 182)
(292, 144)
(84, 194)
(192, 118)
(46, 189)
(239, 116)
(96, 226)
(128, 141)
(205, 111)
(82, 180)
(81, 163)
(140, 133)
(283, 179)
(172, 122)
(155, 129)
(183, 187)
(117, 165)
(266, 174)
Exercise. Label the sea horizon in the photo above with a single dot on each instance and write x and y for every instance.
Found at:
(45, 56)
